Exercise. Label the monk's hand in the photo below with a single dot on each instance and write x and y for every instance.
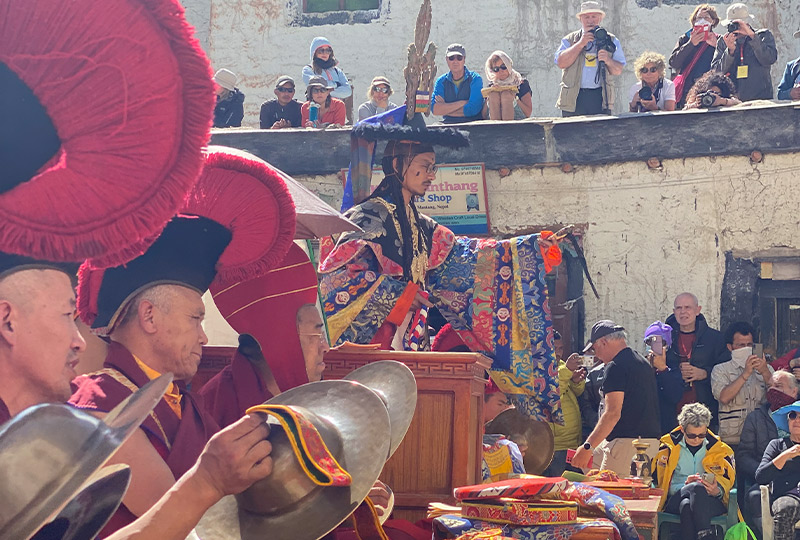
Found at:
(379, 495)
(236, 457)
(419, 301)
(547, 243)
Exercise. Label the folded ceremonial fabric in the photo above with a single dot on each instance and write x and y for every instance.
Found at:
(517, 488)
(517, 512)
(309, 448)
(613, 507)
(460, 528)
(501, 459)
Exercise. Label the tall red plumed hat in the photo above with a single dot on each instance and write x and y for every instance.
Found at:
(238, 223)
(266, 308)
(105, 109)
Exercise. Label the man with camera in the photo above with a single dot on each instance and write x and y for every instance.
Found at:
(746, 55)
(586, 57)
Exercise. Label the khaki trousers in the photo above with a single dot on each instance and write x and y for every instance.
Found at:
(616, 455)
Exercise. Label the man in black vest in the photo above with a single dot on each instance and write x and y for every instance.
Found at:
(457, 94)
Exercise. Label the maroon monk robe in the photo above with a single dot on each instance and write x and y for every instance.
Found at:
(179, 441)
(232, 391)
(5, 416)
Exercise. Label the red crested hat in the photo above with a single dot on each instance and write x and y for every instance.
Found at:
(266, 308)
(106, 108)
(447, 339)
(237, 223)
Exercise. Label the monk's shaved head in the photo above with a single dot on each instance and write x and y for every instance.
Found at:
(24, 289)
(39, 341)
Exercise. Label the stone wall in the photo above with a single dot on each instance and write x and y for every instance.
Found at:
(261, 39)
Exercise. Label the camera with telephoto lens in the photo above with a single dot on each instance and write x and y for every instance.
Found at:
(603, 40)
(707, 99)
(733, 27)
(645, 93)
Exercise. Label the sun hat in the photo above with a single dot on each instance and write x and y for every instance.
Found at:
(737, 11)
(226, 79)
(590, 7)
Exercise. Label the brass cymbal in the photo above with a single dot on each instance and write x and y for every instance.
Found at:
(534, 438)
(47, 452)
(396, 386)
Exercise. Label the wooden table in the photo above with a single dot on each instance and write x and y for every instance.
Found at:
(644, 513)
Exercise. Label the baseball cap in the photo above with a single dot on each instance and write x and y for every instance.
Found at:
(600, 330)
(283, 79)
(455, 48)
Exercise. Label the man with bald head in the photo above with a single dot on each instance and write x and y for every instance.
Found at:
(696, 349)
(39, 341)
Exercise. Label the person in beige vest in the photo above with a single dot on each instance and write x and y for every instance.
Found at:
(585, 66)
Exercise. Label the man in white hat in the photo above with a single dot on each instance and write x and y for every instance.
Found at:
(789, 88)
(229, 110)
(745, 54)
(586, 57)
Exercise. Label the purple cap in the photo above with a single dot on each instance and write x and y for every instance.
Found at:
(659, 328)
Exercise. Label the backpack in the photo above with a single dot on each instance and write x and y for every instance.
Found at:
(740, 531)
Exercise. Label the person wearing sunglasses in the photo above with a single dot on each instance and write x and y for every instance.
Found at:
(284, 111)
(324, 64)
(653, 92)
(330, 111)
(457, 94)
(378, 96)
(695, 470)
(508, 96)
(780, 468)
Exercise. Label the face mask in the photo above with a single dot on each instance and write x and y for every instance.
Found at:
(778, 399)
(740, 356)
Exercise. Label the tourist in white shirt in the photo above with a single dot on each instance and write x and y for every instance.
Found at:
(659, 93)
(740, 385)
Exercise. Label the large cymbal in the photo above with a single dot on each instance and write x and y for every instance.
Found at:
(397, 387)
(354, 424)
(89, 511)
(534, 438)
(48, 451)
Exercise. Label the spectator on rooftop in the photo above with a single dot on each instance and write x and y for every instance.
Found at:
(324, 64)
(229, 110)
(789, 88)
(508, 95)
(284, 111)
(330, 112)
(746, 55)
(457, 94)
(718, 89)
(584, 89)
(378, 96)
(653, 92)
(692, 55)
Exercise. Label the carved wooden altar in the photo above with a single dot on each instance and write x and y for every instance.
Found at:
(442, 448)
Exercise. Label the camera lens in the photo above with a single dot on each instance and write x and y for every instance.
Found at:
(707, 100)
(733, 26)
(646, 93)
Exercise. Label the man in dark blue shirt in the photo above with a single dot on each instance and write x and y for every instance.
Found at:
(457, 94)
(283, 112)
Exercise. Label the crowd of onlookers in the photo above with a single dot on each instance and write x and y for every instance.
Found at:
(716, 412)
(716, 63)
